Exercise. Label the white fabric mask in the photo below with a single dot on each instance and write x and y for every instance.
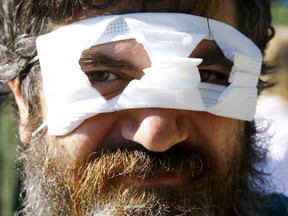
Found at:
(173, 80)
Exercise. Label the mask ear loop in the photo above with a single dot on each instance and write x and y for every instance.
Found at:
(32, 61)
(44, 124)
(39, 130)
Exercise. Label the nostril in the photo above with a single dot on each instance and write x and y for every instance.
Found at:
(156, 129)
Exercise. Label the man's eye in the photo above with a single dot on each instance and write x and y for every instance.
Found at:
(100, 76)
(215, 77)
(107, 83)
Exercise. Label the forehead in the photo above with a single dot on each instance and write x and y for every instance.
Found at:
(222, 10)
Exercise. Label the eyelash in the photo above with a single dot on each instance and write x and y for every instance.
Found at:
(108, 83)
(101, 76)
(211, 76)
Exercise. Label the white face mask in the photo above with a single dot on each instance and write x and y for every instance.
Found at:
(173, 80)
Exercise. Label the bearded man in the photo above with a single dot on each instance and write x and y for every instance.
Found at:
(136, 107)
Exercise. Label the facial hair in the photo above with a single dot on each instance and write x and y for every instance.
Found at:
(54, 187)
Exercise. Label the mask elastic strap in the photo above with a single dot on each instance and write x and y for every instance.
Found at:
(36, 58)
(39, 129)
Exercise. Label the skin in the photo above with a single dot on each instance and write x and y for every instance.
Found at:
(154, 128)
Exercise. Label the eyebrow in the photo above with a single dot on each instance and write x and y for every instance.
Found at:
(92, 60)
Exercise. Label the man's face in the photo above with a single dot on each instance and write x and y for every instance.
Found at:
(139, 161)
(157, 130)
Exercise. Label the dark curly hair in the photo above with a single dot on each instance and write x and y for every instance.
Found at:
(21, 21)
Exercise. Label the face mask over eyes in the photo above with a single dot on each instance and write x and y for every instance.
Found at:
(173, 80)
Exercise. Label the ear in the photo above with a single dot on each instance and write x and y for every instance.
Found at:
(24, 130)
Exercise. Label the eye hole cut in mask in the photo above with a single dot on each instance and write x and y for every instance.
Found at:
(111, 66)
(174, 79)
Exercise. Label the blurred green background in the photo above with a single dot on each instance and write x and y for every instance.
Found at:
(280, 12)
(8, 177)
(9, 135)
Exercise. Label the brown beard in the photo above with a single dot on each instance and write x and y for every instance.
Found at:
(54, 187)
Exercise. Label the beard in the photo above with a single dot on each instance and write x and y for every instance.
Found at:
(53, 184)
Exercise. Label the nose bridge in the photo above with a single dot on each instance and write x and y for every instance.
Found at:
(156, 129)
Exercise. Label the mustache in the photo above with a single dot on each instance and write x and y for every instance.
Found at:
(98, 183)
(130, 158)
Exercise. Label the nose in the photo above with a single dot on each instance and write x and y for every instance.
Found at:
(156, 129)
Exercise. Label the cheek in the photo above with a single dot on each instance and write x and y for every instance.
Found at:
(88, 137)
(221, 136)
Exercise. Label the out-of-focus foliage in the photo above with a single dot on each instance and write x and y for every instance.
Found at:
(280, 12)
